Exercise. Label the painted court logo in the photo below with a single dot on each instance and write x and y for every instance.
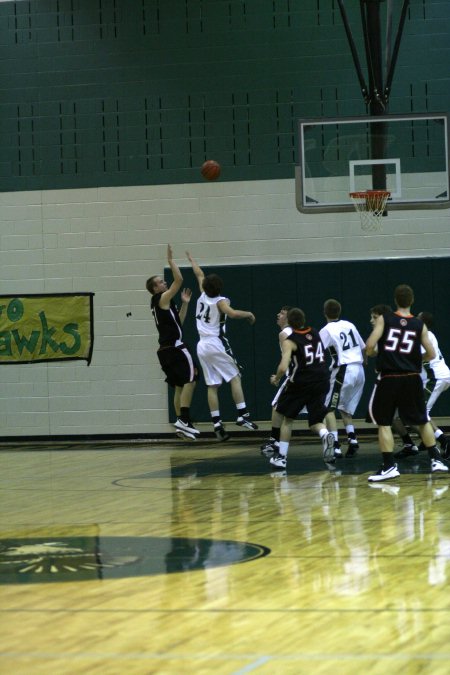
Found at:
(55, 557)
(83, 558)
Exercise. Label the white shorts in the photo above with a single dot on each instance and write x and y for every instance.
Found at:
(432, 393)
(217, 365)
(346, 394)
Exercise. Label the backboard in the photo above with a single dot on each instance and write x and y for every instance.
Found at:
(405, 154)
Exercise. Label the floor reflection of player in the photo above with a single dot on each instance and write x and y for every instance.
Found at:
(333, 518)
(295, 529)
(213, 526)
(331, 523)
(356, 567)
(417, 533)
(439, 563)
(186, 551)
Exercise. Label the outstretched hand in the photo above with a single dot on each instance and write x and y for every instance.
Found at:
(186, 295)
(251, 319)
(169, 253)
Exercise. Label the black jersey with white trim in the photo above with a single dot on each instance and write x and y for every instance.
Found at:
(167, 322)
(308, 361)
(399, 345)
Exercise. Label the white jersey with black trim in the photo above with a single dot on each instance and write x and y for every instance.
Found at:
(209, 319)
(343, 340)
(440, 369)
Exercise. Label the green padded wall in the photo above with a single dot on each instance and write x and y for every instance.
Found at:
(358, 285)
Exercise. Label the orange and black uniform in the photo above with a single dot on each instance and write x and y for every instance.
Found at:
(309, 378)
(399, 363)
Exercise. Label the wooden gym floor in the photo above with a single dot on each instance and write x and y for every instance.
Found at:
(196, 558)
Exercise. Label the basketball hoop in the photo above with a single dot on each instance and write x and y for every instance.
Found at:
(370, 205)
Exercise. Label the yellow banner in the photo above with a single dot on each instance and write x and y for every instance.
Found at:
(36, 328)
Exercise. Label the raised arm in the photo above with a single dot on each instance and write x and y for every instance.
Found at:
(186, 296)
(175, 286)
(199, 274)
(226, 308)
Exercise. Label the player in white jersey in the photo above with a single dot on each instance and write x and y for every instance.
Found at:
(346, 347)
(436, 380)
(272, 445)
(213, 350)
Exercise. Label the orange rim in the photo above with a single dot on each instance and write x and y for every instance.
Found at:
(370, 193)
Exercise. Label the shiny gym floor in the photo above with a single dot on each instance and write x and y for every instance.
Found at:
(196, 558)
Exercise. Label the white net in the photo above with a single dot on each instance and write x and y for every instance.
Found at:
(370, 205)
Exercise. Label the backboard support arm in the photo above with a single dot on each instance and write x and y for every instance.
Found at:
(393, 59)
(356, 61)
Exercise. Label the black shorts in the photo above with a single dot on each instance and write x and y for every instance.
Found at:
(398, 392)
(178, 365)
(295, 396)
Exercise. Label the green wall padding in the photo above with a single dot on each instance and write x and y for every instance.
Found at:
(358, 285)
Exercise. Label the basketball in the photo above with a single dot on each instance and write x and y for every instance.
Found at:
(211, 169)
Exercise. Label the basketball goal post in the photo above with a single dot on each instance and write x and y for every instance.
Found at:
(371, 203)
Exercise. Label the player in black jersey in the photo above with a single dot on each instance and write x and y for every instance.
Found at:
(396, 342)
(174, 356)
(409, 447)
(308, 384)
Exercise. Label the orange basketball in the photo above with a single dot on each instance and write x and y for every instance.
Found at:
(210, 169)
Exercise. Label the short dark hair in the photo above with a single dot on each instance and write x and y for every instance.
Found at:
(404, 296)
(332, 309)
(212, 285)
(380, 309)
(296, 318)
(150, 283)
(427, 318)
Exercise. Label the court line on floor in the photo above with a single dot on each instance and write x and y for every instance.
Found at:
(247, 610)
(252, 666)
(259, 660)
